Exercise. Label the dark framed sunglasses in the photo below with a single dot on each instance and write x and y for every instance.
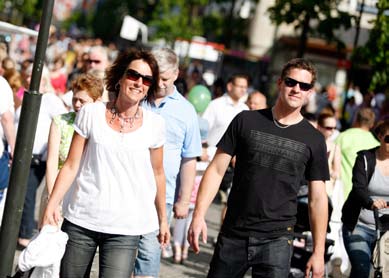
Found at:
(386, 139)
(290, 82)
(133, 75)
(91, 61)
(329, 127)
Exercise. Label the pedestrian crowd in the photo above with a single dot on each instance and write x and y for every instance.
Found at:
(129, 144)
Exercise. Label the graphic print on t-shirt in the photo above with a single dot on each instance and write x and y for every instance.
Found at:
(275, 152)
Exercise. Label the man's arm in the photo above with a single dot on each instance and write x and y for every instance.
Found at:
(187, 179)
(318, 215)
(7, 122)
(209, 186)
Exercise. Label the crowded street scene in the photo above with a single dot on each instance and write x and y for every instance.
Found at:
(195, 139)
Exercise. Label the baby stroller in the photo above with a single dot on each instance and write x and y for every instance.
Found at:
(302, 243)
(380, 258)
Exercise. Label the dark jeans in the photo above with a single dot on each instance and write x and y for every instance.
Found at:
(117, 253)
(27, 226)
(267, 257)
(359, 245)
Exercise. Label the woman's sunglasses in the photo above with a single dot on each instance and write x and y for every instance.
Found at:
(133, 75)
(290, 82)
(386, 139)
(329, 127)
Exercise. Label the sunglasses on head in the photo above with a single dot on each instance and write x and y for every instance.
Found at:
(386, 139)
(290, 82)
(91, 61)
(133, 75)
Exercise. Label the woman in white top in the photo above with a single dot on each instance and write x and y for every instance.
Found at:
(115, 172)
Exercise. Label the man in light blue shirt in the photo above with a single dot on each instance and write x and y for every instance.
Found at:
(182, 146)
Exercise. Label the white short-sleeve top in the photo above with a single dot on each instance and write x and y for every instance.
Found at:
(115, 188)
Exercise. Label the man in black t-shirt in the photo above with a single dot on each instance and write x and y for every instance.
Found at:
(275, 149)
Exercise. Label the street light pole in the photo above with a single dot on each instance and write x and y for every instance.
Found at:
(23, 150)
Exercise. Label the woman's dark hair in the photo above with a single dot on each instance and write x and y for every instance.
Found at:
(323, 116)
(120, 65)
(381, 127)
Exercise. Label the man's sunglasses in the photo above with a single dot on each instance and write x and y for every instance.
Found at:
(133, 75)
(91, 61)
(290, 82)
(386, 139)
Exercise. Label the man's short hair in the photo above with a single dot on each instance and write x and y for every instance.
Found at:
(299, 63)
(233, 78)
(166, 58)
(365, 117)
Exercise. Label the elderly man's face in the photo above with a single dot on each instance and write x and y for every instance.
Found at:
(97, 61)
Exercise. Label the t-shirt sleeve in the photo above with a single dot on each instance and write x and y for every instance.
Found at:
(158, 132)
(318, 164)
(83, 122)
(229, 141)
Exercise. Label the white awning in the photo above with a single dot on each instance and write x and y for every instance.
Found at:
(9, 28)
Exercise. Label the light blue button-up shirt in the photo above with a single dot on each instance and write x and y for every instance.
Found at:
(182, 136)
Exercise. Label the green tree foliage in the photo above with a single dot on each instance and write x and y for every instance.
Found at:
(376, 50)
(177, 19)
(311, 18)
(227, 28)
(20, 10)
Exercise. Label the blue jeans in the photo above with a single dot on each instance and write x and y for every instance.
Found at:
(117, 253)
(359, 245)
(27, 226)
(149, 252)
(267, 257)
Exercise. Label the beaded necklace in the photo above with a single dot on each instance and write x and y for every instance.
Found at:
(125, 122)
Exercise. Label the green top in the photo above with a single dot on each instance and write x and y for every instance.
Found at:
(65, 124)
(352, 141)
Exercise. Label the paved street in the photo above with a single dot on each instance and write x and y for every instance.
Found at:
(195, 266)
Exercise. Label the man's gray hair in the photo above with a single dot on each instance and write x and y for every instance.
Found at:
(100, 49)
(166, 58)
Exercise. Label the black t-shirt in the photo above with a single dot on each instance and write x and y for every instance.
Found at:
(270, 164)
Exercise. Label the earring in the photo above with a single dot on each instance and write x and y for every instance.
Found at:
(117, 87)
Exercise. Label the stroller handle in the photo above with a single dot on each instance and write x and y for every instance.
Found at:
(378, 221)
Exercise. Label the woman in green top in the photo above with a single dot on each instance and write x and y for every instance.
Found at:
(86, 89)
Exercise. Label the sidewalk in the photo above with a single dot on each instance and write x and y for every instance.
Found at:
(195, 266)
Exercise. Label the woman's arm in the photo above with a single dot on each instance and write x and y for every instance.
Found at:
(64, 179)
(360, 181)
(52, 156)
(156, 156)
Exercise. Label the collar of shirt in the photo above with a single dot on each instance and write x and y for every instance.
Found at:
(230, 101)
(174, 96)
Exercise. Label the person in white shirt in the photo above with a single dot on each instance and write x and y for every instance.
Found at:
(51, 106)
(222, 110)
(7, 132)
(219, 115)
(115, 174)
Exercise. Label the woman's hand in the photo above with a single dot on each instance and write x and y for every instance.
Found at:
(52, 216)
(379, 204)
(164, 234)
